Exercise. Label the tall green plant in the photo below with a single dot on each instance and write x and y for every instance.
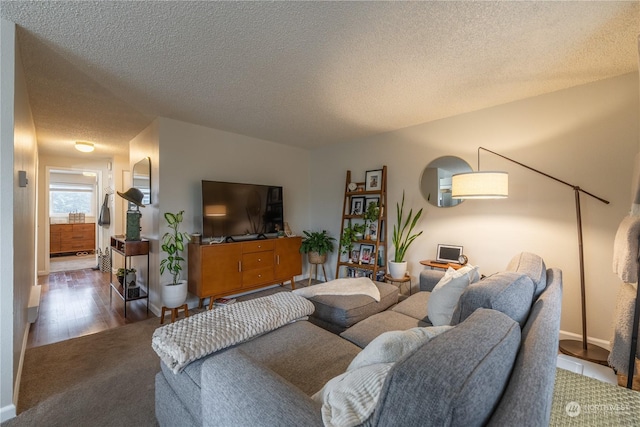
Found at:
(402, 241)
(173, 246)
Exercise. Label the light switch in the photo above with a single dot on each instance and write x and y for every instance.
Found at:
(22, 178)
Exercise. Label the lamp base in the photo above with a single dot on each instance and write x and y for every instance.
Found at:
(592, 353)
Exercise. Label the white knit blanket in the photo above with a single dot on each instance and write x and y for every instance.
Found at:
(182, 342)
(625, 249)
(347, 286)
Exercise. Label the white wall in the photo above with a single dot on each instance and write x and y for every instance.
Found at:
(186, 154)
(18, 152)
(587, 135)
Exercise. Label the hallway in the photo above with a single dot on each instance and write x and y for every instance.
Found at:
(76, 303)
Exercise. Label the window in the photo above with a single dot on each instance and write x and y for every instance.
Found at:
(70, 192)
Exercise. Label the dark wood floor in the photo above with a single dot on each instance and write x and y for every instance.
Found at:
(76, 303)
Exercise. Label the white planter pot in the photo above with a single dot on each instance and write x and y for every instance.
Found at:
(174, 295)
(397, 270)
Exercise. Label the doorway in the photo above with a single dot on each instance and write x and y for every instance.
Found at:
(72, 208)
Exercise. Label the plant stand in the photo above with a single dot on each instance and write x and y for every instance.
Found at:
(174, 312)
(314, 265)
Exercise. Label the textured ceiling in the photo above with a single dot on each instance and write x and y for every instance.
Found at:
(302, 73)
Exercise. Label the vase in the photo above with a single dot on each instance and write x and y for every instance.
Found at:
(397, 270)
(174, 295)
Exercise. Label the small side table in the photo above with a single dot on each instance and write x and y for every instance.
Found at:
(440, 265)
(174, 312)
(399, 282)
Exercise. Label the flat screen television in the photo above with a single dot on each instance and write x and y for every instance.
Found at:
(241, 211)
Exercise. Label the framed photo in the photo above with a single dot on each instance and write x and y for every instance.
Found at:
(367, 253)
(372, 199)
(449, 253)
(373, 180)
(357, 205)
(355, 255)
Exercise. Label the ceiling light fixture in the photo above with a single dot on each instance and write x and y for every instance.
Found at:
(85, 147)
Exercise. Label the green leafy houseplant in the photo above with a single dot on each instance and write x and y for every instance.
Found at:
(173, 245)
(350, 234)
(400, 240)
(316, 241)
(371, 214)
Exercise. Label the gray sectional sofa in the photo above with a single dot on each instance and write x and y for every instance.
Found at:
(495, 366)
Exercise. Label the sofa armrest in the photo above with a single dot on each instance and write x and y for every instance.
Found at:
(239, 391)
(429, 279)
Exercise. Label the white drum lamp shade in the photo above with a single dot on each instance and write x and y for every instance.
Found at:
(480, 185)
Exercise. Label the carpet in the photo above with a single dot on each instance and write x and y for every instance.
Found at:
(104, 379)
(582, 401)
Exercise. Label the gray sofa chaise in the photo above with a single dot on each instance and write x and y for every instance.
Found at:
(495, 366)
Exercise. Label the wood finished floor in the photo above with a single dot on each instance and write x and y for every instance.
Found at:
(76, 303)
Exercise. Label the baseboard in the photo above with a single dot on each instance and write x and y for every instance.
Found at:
(571, 336)
(7, 412)
(11, 409)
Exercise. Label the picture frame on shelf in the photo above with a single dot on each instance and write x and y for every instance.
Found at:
(357, 205)
(355, 255)
(373, 180)
(367, 254)
(371, 199)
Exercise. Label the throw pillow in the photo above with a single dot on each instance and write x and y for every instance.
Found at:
(350, 399)
(445, 295)
(391, 346)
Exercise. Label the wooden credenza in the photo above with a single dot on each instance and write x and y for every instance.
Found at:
(230, 268)
(72, 238)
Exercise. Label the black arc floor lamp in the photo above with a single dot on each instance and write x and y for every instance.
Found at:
(494, 185)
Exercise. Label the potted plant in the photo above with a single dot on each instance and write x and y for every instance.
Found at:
(371, 215)
(174, 294)
(316, 245)
(351, 234)
(402, 241)
(130, 274)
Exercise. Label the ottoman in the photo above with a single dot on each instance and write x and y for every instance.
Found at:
(336, 313)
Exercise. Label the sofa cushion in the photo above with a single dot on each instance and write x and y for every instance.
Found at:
(508, 292)
(446, 293)
(533, 372)
(366, 331)
(460, 375)
(345, 311)
(533, 266)
(414, 306)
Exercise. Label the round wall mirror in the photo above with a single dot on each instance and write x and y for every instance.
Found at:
(435, 184)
